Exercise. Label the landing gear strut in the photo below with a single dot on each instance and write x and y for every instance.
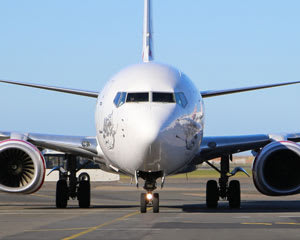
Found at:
(149, 198)
(69, 186)
(230, 192)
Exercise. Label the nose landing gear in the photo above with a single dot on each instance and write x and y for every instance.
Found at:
(149, 198)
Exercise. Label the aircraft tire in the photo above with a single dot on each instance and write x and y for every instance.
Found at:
(83, 177)
(61, 194)
(234, 194)
(212, 194)
(155, 203)
(143, 203)
(84, 194)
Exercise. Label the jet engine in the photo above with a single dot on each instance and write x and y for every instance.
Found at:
(276, 169)
(22, 167)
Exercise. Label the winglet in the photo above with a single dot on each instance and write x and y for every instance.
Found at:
(147, 34)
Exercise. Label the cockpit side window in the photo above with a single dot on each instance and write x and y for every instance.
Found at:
(120, 99)
(181, 99)
(138, 97)
(163, 97)
(117, 99)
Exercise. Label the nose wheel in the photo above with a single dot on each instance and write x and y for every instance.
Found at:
(149, 199)
(155, 203)
(143, 203)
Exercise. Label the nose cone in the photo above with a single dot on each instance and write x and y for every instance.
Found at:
(144, 127)
(150, 143)
(153, 137)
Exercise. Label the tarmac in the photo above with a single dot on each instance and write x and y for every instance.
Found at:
(114, 214)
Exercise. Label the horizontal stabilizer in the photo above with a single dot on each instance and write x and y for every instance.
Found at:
(214, 93)
(56, 89)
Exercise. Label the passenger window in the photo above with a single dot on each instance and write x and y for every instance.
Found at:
(137, 97)
(163, 97)
(120, 99)
(181, 99)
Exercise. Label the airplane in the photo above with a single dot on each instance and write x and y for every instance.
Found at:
(149, 121)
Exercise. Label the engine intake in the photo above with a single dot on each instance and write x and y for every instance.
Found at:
(276, 169)
(22, 167)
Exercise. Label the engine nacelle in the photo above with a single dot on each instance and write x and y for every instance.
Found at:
(22, 167)
(276, 169)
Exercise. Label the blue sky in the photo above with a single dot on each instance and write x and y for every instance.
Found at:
(218, 44)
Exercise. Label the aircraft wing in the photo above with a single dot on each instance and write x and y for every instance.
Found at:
(214, 93)
(213, 147)
(93, 94)
(79, 92)
(78, 145)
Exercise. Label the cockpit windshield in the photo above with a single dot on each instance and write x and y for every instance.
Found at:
(163, 97)
(157, 97)
(138, 97)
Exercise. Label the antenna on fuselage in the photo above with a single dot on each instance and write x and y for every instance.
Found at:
(147, 34)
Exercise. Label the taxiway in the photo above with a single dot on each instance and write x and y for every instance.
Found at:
(114, 214)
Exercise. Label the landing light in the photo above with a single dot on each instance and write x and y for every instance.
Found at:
(149, 196)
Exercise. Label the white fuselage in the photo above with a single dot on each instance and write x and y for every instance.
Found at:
(149, 135)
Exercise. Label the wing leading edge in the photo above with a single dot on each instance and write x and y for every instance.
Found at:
(56, 89)
(93, 94)
(214, 93)
(78, 145)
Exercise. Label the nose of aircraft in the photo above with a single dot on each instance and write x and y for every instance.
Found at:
(145, 128)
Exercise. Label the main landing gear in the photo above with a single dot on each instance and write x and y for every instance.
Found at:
(69, 186)
(230, 192)
(149, 198)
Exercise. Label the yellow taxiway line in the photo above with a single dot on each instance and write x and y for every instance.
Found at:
(91, 229)
(287, 223)
(57, 229)
(257, 223)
